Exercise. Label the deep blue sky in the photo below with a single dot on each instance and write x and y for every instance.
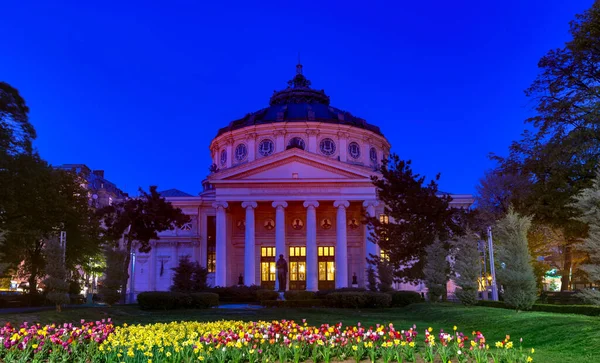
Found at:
(139, 89)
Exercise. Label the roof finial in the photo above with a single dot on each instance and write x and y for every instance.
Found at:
(299, 65)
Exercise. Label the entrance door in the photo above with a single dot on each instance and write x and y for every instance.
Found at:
(267, 268)
(297, 268)
(326, 267)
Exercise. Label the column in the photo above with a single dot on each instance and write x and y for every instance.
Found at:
(312, 282)
(251, 138)
(249, 248)
(341, 245)
(280, 235)
(152, 268)
(221, 244)
(203, 229)
(370, 247)
(229, 149)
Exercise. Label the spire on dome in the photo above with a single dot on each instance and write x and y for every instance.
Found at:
(299, 91)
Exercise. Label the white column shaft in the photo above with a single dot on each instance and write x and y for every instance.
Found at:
(152, 269)
(312, 282)
(341, 249)
(250, 248)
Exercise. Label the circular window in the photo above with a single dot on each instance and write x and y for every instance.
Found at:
(241, 151)
(266, 147)
(327, 146)
(223, 157)
(354, 150)
(373, 154)
(297, 142)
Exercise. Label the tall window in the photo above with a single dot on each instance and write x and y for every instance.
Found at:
(297, 268)
(384, 218)
(267, 267)
(211, 244)
(326, 267)
(384, 256)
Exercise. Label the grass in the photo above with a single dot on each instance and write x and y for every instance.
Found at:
(557, 338)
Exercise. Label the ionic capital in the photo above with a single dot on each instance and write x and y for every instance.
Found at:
(370, 203)
(279, 204)
(341, 204)
(311, 203)
(251, 205)
(220, 204)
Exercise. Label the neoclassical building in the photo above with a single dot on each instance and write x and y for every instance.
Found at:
(293, 179)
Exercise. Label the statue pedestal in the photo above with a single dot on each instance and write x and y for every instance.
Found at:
(281, 296)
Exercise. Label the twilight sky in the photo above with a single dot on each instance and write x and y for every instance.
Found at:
(139, 88)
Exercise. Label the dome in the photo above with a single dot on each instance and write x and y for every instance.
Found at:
(299, 103)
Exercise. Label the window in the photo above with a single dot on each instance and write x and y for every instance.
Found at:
(297, 268)
(384, 218)
(186, 226)
(241, 151)
(297, 251)
(266, 147)
(297, 142)
(354, 150)
(327, 146)
(373, 154)
(326, 267)
(211, 245)
(384, 256)
(223, 157)
(267, 267)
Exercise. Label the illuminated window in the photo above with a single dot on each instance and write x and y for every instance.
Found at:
(384, 255)
(297, 251)
(326, 251)
(267, 266)
(384, 218)
(326, 265)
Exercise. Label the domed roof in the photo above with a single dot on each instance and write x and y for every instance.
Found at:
(299, 103)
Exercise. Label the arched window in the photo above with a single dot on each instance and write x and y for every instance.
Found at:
(373, 154)
(297, 142)
(223, 157)
(266, 147)
(241, 151)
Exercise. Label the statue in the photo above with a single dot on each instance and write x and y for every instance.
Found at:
(282, 271)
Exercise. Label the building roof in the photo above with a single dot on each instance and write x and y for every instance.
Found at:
(169, 193)
(299, 103)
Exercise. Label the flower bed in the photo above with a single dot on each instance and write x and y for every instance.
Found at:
(237, 342)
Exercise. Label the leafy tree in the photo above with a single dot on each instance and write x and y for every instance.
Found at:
(139, 220)
(467, 268)
(516, 273)
(199, 278)
(588, 202)
(436, 270)
(561, 155)
(39, 201)
(497, 191)
(16, 132)
(371, 278)
(112, 284)
(418, 214)
(56, 284)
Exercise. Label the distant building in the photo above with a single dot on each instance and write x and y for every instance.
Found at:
(101, 192)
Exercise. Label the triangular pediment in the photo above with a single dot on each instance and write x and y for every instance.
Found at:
(293, 164)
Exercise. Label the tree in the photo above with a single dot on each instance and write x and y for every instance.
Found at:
(39, 201)
(371, 278)
(139, 220)
(385, 274)
(112, 284)
(561, 154)
(56, 284)
(515, 273)
(418, 214)
(588, 202)
(16, 133)
(436, 270)
(189, 276)
(497, 191)
(467, 268)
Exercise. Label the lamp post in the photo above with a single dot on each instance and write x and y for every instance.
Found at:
(492, 267)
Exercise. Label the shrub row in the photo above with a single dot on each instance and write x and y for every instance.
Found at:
(163, 300)
(263, 295)
(236, 294)
(309, 303)
(300, 295)
(359, 300)
(590, 310)
(404, 298)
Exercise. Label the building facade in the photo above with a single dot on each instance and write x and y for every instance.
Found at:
(292, 179)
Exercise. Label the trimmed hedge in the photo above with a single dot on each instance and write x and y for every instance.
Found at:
(359, 300)
(590, 310)
(164, 300)
(236, 294)
(293, 303)
(263, 295)
(404, 298)
(299, 295)
(321, 294)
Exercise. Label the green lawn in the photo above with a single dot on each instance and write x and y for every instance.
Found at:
(557, 338)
